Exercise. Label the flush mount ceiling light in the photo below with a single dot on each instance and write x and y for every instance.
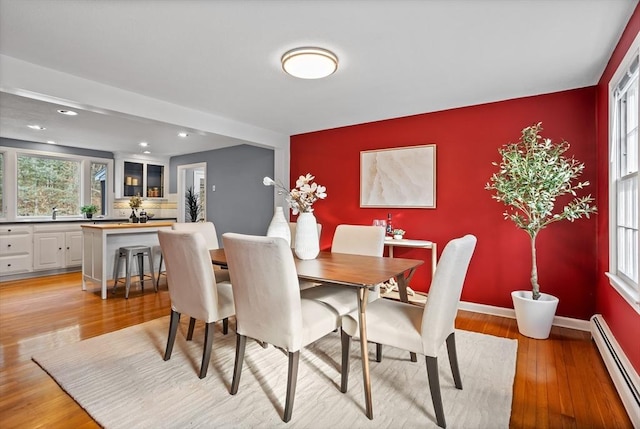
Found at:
(36, 127)
(143, 144)
(309, 63)
(183, 134)
(51, 142)
(67, 112)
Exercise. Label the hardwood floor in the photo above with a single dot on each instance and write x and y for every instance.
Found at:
(560, 382)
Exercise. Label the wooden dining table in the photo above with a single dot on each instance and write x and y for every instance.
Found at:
(355, 271)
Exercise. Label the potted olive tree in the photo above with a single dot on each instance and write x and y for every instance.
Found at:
(533, 173)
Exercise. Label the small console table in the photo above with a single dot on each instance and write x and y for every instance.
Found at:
(417, 244)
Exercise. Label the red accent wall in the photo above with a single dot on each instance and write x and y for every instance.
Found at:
(621, 318)
(467, 140)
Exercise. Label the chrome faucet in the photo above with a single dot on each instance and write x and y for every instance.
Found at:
(54, 214)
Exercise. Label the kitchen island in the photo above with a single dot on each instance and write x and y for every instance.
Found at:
(100, 242)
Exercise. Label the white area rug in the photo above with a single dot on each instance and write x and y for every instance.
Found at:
(122, 382)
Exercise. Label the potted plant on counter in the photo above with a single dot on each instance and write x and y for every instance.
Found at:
(89, 210)
(533, 173)
(398, 233)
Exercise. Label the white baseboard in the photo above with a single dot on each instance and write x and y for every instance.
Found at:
(623, 374)
(564, 322)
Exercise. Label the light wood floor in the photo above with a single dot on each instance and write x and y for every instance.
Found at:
(560, 382)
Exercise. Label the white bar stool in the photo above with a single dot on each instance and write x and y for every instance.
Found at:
(128, 252)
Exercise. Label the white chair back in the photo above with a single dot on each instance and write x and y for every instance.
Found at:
(444, 294)
(190, 278)
(358, 240)
(207, 229)
(265, 289)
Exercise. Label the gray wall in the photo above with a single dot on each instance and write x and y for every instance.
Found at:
(240, 203)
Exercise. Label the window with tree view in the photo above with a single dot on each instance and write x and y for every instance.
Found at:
(98, 185)
(48, 182)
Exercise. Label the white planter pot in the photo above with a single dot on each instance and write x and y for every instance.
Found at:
(534, 317)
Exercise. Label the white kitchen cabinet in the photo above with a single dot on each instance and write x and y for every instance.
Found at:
(57, 246)
(48, 250)
(73, 247)
(16, 250)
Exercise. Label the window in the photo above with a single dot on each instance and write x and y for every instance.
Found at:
(623, 166)
(99, 185)
(33, 182)
(47, 182)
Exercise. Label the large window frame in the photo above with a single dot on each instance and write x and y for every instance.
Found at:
(10, 186)
(624, 240)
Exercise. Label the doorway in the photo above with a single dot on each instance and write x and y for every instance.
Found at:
(192, 179)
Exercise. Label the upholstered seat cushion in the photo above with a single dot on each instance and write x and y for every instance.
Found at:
(389, 322)
(317, 320)
(226, 307)
(343, 299)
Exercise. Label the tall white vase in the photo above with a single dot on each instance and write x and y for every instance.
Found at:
(279, 226)
(307, 243)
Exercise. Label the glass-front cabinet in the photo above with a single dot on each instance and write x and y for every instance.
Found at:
(146, 179)
(155, 181)
(133, 179)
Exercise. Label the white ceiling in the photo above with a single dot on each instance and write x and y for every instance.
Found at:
(222, 58)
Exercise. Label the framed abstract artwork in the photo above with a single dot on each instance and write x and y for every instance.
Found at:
(399, 177)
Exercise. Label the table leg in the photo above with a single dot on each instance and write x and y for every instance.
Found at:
(402, 289)
(364, 350)
(434, 257)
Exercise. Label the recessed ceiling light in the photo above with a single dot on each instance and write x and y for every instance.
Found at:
(51, 142)
(36, 127)
(67, 112)
(144, 144)
(183, 134)
(309, 63)
(147, 152)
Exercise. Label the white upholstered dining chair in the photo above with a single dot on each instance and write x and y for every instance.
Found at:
(268, 304)
(193, 289)
(208, 231)
(423, 331)
(355, 240)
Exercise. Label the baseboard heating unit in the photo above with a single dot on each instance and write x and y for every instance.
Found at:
(622, 373)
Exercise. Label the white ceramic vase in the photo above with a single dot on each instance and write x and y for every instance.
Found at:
(535, 317)
(307, 242)
(279, 226)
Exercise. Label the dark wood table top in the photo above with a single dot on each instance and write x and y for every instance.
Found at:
(342, 268)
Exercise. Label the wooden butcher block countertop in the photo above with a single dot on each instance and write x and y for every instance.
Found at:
(128, 225)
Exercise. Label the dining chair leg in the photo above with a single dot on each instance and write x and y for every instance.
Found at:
(294, 359)
(453, 360)
(159, 271)
(434, 386)
(346, 349)
(225, 325)
(173, 329)
(206, 353)
(241, 342)
(192, 324)
(378, 352)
